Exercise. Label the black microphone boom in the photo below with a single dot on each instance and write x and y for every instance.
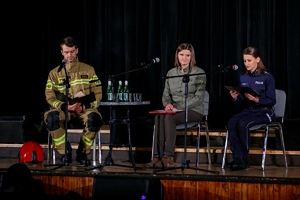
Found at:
(231, 67)
(154, 60)
(62, 64)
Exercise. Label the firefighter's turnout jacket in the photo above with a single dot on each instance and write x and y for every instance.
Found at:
(82, 85)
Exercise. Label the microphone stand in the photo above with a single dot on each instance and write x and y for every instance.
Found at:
(112, 76)
(108, 160)
(185, 163)
(67, 84)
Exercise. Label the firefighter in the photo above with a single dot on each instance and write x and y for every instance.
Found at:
(84, 94)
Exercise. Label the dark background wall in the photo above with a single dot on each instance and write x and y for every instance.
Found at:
(115, 36)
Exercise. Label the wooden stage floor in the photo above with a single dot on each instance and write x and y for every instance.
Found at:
(213, 172)
(204, 182)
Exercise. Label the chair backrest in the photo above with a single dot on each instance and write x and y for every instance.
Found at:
(280, 104)
(206, 103)
(206, 108)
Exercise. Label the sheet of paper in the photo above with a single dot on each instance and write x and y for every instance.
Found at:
(165, 111)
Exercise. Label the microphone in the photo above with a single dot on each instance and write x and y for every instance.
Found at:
(62, 64)
(154, 60)
(231, 67)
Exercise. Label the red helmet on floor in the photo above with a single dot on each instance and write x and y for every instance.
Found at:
(31, 152)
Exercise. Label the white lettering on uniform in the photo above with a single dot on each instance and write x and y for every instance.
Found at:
(259, 82)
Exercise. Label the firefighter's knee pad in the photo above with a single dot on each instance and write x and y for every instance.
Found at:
(94, 122)
(52, 121)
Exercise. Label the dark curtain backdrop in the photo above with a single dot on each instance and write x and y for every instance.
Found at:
(115, 36)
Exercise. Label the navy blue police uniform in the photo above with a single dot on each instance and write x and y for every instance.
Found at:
(253, 114)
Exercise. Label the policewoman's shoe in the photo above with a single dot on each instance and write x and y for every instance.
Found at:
(240, 164)
(230, 164)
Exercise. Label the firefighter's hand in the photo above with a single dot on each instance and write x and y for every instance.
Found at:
(80, 108)
(72, 107)
(76, 107)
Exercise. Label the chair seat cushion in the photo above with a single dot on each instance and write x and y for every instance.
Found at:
(189, 125)
(258, 126)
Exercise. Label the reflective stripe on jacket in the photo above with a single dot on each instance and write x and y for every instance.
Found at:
(82, 80)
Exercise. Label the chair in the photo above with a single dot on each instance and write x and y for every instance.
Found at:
(277, 125)
(51, 147)
(191, 125)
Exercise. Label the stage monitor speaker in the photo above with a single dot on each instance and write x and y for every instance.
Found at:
(127, 188)
(11, 129)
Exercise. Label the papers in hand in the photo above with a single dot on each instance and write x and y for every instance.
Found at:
(79, 94)
(172, 112)
(243, 90)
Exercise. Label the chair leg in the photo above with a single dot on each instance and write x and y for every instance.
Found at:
(99, 148)
(264, 149)
(153, 139)
(53, 152)
(49, 148)
(225, 150)
(282, 145)
(198, 145)
(207, 143)
(94, 151)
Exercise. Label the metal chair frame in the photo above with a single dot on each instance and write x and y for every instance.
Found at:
(280, 114)
(190, 125)
(51, 147)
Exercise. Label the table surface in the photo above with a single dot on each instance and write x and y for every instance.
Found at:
(124, 103)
